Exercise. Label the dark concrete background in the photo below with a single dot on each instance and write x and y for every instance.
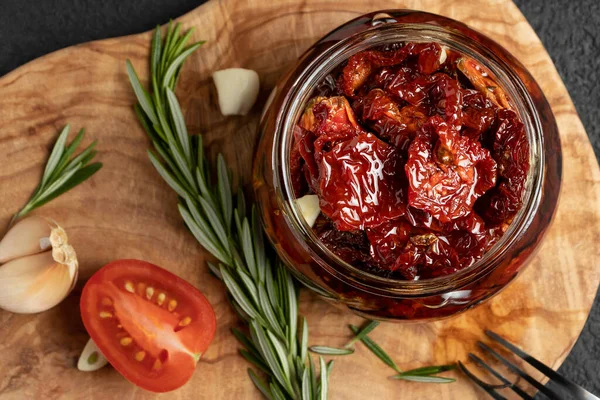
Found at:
(569, 29)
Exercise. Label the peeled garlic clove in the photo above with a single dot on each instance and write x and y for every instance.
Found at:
(237, 89)
(309, 207)
(91, 359)
(29, 236)
(443, 55)
(38, 282)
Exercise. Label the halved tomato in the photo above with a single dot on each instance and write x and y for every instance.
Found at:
(151, 325)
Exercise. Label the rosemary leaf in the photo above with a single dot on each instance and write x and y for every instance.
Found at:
(238, 294)
(181, 163)
(270, 286)
(329, 368)
(304, 343)
(55, 156)
(201, 221)
(306, 386)
(83, 158)
(323, 379)
(313, 374)
(166, 175)
(277, 391)
(256, 361)
(268, 312)
(363, 332)
(248, 249)
(177, 62)
(180, 44)
(330, 351)
(241, 203)
(292, 302)
(375, 349)
(224, 191)
(245, 341)
(155, 52)
(180, 129)
(250, 286)
(69, 150)
(142, 96)
(431, 370)
(144, 121)
(164, 55)
(259, 246)
(424, 378)
(270, 356)
(215, 221)
(279, 349)
(201, 236)
(260, 384)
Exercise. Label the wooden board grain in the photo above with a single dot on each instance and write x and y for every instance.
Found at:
(127, 211)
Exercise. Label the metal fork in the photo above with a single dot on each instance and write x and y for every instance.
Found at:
(573, 390)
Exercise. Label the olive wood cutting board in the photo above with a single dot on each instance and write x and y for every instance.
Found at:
(127, 211)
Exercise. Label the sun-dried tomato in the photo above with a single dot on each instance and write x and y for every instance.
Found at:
(447, 172)
(511, 152)
(359, 183)
(361, 65)
(482, 80)
(388, 239)
(478, 114)
(397, 125)
(352, 247)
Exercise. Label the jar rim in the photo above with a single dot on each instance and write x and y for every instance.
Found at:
(329, 54)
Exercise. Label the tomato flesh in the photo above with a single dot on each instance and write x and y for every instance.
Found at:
(151, 325)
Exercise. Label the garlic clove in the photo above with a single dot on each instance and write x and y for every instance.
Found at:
(29, 236)
(309, 207)
(237, 89)
(91, 359)
(443, 55)
(38, 282)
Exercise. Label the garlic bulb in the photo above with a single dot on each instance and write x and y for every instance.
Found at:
(237, 89)
(91, 359)
(42, 267)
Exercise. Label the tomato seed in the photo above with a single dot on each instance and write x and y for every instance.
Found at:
(160, 299)
(105, 314)
(172, 305)
(185, 322)
(126, 341)
(141, 288)
(149, 292)
(129, 287)
(140, 355)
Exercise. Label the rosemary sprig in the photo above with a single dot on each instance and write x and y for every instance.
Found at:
(62, 171)
(422, 374)
(260, 289)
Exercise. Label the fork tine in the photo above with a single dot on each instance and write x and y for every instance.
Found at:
(490, 390)
(508, 383)
(550, 373)
(548, 392)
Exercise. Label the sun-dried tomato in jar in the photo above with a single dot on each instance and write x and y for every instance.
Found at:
(417, 159)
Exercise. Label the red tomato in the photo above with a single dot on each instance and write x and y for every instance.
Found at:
(151, 325)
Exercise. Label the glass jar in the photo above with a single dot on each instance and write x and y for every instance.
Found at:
(374, 296)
